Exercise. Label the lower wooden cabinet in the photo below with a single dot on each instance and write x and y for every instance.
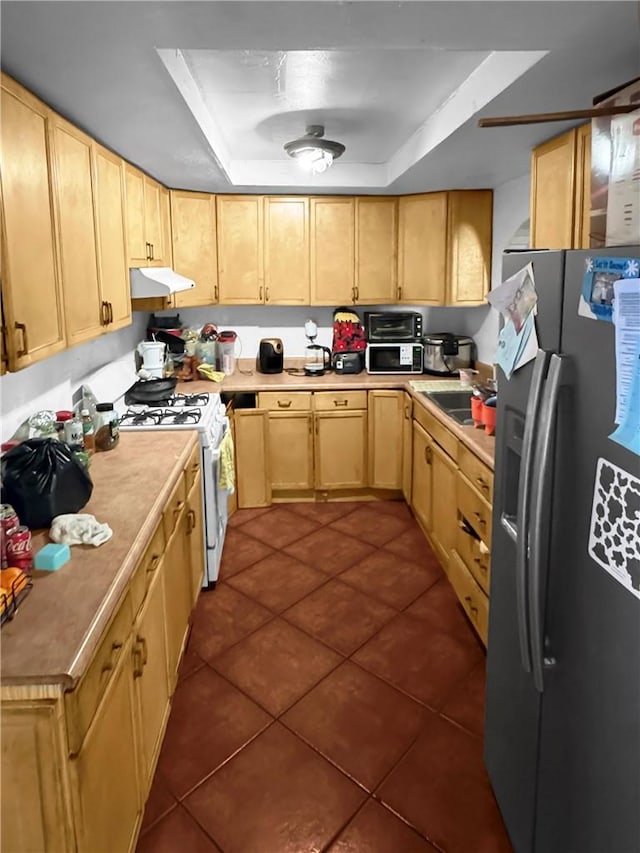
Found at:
(341, 449)
(253, 476)
(77, 766)
(195, 533)
(407, 446)
(291, 450)
(422, 478)
(444, 523)
(386, 430)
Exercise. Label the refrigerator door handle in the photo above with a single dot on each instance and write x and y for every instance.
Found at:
(540, 515)
(521, 528)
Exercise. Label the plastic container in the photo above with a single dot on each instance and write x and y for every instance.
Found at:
(226, 352)
(107, 427)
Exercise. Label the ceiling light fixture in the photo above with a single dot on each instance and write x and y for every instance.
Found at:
(312, 152)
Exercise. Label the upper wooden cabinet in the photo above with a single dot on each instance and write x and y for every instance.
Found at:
(286, 250)
(561, 191)
(195, 250)
(31, 290)
(332, 250)
(376, 250)
(444, 247)
(115, 292)
(240, 249)
(148, 220)
(422, 240)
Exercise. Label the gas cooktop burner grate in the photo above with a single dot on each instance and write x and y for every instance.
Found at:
(146, 417)
(180, 416)
(160, 417)
(180, 400)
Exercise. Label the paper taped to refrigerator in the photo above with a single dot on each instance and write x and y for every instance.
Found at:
(626, 317)
(516, 300)
(614, 534)
(600, 275)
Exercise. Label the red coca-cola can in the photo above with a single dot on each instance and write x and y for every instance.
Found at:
(19, 550)
(8, 521)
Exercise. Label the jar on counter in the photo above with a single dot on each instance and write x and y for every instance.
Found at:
(107, 427)
(88, 431)
(73, 434)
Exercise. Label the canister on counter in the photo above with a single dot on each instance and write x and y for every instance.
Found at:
(107, 427)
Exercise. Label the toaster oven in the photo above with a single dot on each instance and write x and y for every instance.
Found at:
(393, 358)
(395, 326)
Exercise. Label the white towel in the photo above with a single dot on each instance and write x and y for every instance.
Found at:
(79, 528)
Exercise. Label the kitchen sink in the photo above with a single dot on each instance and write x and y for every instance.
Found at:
(457, 404)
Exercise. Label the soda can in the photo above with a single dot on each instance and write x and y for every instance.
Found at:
(19, 550)
(8, 521)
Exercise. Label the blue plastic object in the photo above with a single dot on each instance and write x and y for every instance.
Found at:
(51, 557)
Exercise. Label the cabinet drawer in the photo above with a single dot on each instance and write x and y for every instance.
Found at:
(447, 440)
(81, 703)
(282, 401)
(474, 509)
(192, 467)
(339, 400)
(472, 598)
(146, 569)
(476, 472)
(474, 555)
(174, 507)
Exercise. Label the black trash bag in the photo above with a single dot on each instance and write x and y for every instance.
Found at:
(41, 478)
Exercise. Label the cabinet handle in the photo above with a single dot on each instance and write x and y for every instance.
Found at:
(341, 403)
(480, 519)
(138, 665)
(484, 486)
(192, 521)
(216, 293)
(481, 565)
(109, 665)
(145, 653)
(194, 468)
(148, 249)
(353, 293)
(260, 294)
(151, 258)
(472, 608)
(178, 509)
(284, 404)
(357, 293)
(110, 312)
(153, 565)
(103, 308)
(266, 293)
(399, 292)
(22, 327)
(428, 455)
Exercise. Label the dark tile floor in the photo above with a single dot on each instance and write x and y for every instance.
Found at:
(331, 697)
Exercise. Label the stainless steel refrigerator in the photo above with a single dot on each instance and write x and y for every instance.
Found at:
(562, 725)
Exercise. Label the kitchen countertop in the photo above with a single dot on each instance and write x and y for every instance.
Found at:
(58, 626)
(476, 440)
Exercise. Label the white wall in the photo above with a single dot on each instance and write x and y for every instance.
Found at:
(49, 384)
(510, 211)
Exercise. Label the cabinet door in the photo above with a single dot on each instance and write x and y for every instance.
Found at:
(136, 235)
(178, 598)
(407, 446)
(240, 262)
(77, 233)
(151, 675)
(291, 450)
(332, 250)
(286, 250)
(376, 278)
(385, 439)
(195, 252)
(106, 769)
(31, 290)
(153, 221)
(444, 518)
(341, 449)
(108, 176)
(422, 249)
(582, 223)
(195, 531)
(469, 246)
(253, 478)
(553, 193)
(421, 488)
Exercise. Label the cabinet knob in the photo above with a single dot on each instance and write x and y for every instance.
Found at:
(22, 327)
(428, 455)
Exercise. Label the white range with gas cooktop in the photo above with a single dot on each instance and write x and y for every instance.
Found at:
(206, 414)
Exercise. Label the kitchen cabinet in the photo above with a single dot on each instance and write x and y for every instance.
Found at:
(177, 579)
(290, 440)
(332, 250)
(444, 523)
(386, 434)
(73, 194)
(240, 249)
(253, 477)
(376, 250)
(407, 446)
(105, 771)
(340, 446)
(195, 249)
(195, 532)
(444, 247)
(561, 191)
(422, 257)
(32, 298)
(422, 475)
(286, 250)
(147, 220)
(109, 200)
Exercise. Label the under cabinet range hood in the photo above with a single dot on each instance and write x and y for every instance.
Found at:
(157, 281)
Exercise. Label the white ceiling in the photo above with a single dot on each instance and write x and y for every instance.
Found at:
(203, 95)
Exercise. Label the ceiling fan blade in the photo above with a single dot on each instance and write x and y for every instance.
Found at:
(566, 115)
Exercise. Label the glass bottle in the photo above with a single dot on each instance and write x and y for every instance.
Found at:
(88, 431)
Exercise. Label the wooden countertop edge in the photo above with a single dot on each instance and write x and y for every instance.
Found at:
(117, 591)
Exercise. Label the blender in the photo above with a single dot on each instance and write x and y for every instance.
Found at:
(226, 351)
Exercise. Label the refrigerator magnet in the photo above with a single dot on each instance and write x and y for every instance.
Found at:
(596, 297)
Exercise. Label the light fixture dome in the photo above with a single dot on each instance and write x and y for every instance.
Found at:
(312, 152)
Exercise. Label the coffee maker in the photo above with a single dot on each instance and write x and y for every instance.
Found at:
(317, 359)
